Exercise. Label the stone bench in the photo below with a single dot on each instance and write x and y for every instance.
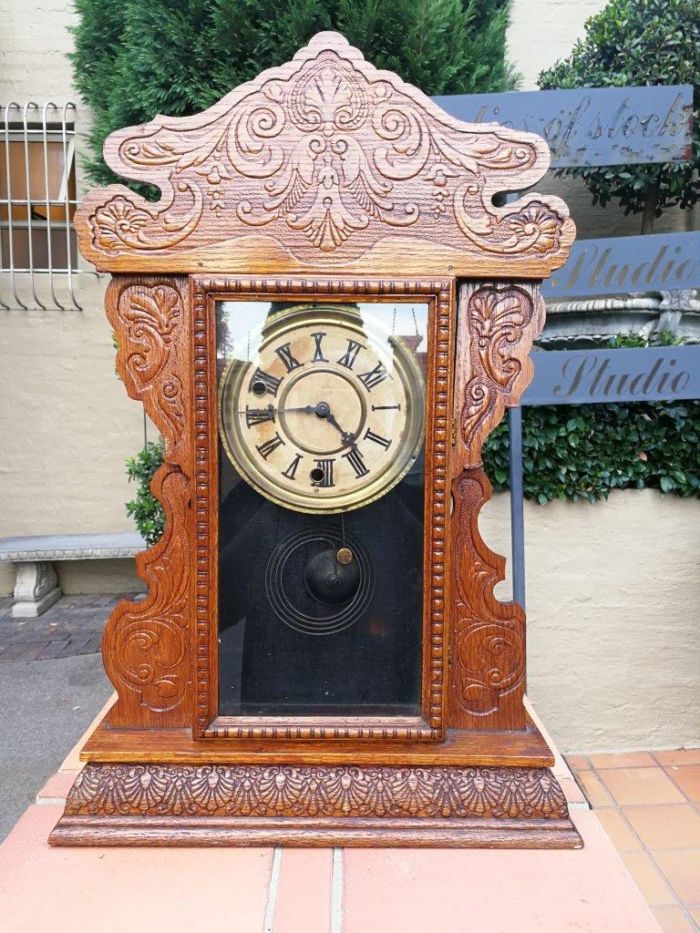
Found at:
(36, 583)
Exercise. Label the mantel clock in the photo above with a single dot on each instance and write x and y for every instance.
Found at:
(325, 315)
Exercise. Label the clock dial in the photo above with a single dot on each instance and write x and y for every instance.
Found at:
(328, 416)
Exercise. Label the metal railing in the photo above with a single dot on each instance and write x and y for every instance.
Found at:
(38, 252)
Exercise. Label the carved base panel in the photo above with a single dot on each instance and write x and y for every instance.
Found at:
(252, 805)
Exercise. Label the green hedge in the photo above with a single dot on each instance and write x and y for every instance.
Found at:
(585, 451)
(638, 42)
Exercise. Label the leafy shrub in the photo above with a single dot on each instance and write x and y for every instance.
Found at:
(584, 451)
(136, 58)
(638, 42)
(145, 509)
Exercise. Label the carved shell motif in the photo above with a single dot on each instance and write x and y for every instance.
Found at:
(347, 791)
(323, 153)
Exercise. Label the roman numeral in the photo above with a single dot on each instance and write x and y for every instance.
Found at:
(285, 354)
(291, 470)
(322, 473)
(267, 448)
(262, 382)
(348, 358)
(386, 407)
(318, 356)
(374, 376)
(378, 439)
(259, 415)
(354, 458)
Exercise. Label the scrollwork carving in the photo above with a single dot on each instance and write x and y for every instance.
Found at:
(147, 649)
(488, 635)
(497, 324)
(323, 153)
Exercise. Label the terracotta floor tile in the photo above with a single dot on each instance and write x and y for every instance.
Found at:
(687, 777)
(641, 785)
(499, 891)
(304, 891)
(666, 826)
(619, 830)
(572, 791)
(650, 882)
(595, 793)
(682, 868)
(56, 788)
(673, 920)
(622, 760)
(577, 762)
(678, 756)
(112, 890)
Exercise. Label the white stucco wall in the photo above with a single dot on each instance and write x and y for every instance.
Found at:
(66, 424)
(34, 42)
(543, 31)
(613, 597)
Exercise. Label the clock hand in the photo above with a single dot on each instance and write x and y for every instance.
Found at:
(347, 437)
(307, 409)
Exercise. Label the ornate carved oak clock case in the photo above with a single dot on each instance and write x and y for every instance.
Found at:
(325, 314)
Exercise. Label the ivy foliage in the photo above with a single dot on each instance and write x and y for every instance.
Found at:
(134, 59)
(638, 42)
(145, 509)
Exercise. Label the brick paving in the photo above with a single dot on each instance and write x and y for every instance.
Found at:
(73, 626)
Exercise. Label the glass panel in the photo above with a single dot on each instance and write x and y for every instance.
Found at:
(321, 483)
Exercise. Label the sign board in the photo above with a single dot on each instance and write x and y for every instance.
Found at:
(591, 126)
(648, 374)
(619, 265)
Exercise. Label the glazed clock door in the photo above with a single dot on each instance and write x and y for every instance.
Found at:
(321, 417)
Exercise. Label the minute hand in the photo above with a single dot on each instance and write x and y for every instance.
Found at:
(307, 409)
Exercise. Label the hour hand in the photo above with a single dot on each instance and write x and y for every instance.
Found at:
(347, 437)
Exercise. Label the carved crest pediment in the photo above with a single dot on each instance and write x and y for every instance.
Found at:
(316, 164)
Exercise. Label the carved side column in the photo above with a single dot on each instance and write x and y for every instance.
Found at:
(497, 323)
(147, 644)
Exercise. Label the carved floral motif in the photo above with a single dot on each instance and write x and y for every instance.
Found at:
(148, 654)
(502, 321)
(342, 791)
(323, 152)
